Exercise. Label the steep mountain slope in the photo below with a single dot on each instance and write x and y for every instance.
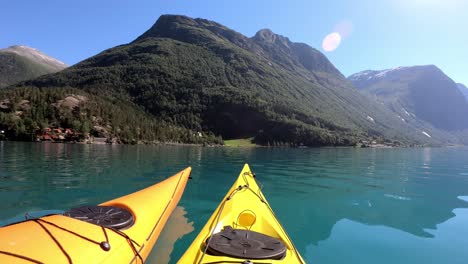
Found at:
(463, 89)
(422, 92)
(203, 76)
(19, 63)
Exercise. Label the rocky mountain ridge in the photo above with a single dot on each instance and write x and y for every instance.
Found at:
(202, 76)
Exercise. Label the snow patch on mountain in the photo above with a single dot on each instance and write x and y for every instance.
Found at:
(426, 134)
(384, 73)
(364, 74)
(370, 74)
(370, 119)
(406, 112)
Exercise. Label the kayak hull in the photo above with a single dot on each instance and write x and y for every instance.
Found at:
(61, 239)
(243, 205)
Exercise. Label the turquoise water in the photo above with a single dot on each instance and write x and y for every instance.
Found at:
(339, 205)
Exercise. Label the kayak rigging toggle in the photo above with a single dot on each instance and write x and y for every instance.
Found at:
(105, 245)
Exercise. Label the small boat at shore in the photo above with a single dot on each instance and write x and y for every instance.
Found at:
(123, 230)
(243, 229)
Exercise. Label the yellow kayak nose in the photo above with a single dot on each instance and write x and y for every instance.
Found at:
(123, 230)
(243, 229)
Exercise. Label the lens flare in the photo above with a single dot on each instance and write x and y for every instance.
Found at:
(344, 28)
(331, 42)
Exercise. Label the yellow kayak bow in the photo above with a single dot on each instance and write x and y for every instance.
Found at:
(123, 230)
(243, 229)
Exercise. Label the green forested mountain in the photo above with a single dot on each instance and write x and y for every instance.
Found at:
(19, 63)
(421, 92)
(24, 110)
(202, 76)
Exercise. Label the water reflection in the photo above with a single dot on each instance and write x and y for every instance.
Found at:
(360, 243)
(177, 226)
(408, 190)
(60, 176)
(427, 156)
(399, 192)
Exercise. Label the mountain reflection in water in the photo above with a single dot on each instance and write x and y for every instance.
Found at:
(328, 199)
(177, 226)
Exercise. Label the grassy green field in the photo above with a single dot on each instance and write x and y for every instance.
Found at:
(242, 142)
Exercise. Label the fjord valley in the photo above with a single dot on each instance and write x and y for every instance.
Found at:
(294, 132)
(206, 83)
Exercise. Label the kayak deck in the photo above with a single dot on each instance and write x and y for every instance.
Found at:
(244, 211)
(62, 239)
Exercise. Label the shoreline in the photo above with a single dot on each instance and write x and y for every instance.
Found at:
(376, 146)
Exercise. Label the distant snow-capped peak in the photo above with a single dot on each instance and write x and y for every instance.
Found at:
(384, 73)
(370, 74)
(35, 55)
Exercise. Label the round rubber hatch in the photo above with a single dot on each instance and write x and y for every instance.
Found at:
(239, 243)
(108, 216)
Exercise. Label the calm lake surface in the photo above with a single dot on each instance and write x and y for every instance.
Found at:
(339, 205)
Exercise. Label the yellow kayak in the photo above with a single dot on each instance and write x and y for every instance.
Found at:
(243, 229)
(123, 230)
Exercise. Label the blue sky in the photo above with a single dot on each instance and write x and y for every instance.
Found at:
(381, 33)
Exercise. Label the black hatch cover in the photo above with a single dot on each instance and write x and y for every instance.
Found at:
(239, 243)
(108, 216)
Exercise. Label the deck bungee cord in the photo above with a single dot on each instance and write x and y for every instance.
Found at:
(247, 238)
(240, 262)
(20, 257)
(122, 230)
(104, 245)
(217, 221)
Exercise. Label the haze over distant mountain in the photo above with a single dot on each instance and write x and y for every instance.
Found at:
(203, 76)
(19, 63)
(463, 89)
(422, 92)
